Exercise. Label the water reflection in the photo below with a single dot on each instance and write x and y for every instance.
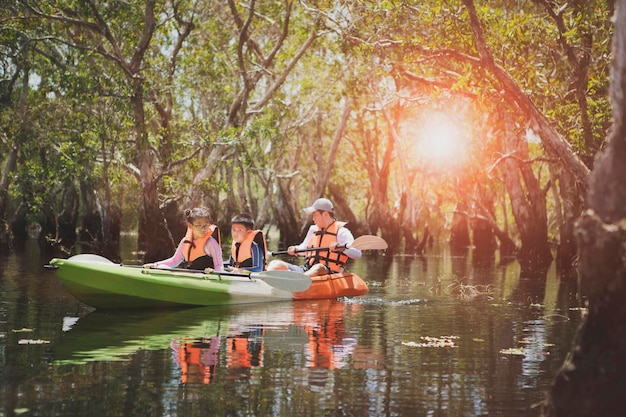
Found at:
(437, 335)
(201, 338)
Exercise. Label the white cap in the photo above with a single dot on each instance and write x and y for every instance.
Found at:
(323, 204)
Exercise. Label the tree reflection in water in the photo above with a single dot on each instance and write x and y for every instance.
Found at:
(361, 356)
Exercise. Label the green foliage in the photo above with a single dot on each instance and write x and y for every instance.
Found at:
(199, 96)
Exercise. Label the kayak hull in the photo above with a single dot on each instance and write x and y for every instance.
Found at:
(113, 286)
(345, 284)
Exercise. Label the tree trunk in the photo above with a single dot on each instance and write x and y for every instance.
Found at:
(378, 216)
(111, 231)
(459, 230)
(287, 220)
(19, 225)
(483, 235)
(176, 223)
(101, 224)
(326, 167)
(10, 163)
(90, 232)
(553, 142)
(153, 231)
(528, 202)
(6, 236)
(570, 207)
(159, 242)
(111, 216)
(68, 218)
(344, 211)
(592, 382)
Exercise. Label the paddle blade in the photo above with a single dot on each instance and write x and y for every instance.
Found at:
(284, 280)
(368, 242)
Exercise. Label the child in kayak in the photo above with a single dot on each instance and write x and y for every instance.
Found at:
(249, 246)
(200, 248)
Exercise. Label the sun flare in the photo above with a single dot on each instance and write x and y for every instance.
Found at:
(440, 142)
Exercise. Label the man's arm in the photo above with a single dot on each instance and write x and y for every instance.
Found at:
(344, 236)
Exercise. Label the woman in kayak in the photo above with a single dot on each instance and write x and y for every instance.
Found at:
(199, 249)
(248, 248)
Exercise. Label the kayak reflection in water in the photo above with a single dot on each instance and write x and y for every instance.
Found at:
(199, 358)
(320, 336)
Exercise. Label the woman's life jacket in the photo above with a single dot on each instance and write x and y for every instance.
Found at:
(242, 253)
(194, 250)
(334, 261)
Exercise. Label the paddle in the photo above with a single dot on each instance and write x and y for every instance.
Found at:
(283, 280)
(365, 242)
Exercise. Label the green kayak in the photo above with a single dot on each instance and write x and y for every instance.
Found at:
(102, 284)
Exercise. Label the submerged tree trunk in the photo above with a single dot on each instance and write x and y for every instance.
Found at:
(593, 380)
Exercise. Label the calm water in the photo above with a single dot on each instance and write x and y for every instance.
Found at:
(436, 336)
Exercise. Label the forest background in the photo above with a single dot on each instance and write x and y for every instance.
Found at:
(473, 122)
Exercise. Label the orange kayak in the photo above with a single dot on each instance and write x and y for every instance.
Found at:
(344, 284)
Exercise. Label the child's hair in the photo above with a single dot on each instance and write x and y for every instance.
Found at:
(245, 219)
(197, 213)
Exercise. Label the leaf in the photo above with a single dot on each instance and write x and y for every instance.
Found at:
(32, 342)
(434, 342)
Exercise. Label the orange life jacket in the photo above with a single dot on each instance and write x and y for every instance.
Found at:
(197, 359)
(245, 351)
(334, 261)
(193, 250)
(241, 255)
(325, 328)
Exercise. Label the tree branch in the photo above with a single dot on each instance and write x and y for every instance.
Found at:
(550, 138)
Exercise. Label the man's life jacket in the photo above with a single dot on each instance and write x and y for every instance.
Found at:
(193, 250)
(241, 253)
(334, 261)
(245, 350)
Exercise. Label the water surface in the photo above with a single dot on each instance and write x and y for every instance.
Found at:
(439, 335)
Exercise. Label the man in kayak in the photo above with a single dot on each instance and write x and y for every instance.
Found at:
(327, 233)
(248, 248)
(199, 249)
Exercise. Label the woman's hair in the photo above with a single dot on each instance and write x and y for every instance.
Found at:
(197, 213)
(245, 219)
